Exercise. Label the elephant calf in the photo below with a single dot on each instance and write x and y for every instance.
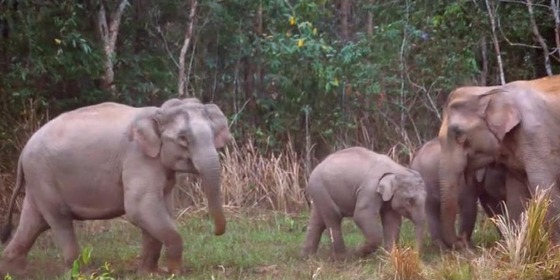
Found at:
(486, 184)
(369, 187)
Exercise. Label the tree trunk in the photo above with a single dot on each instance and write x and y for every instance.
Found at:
(108, 31)
(484, 53)
(555, 13)
(182, 86)
(344, 13)
(492, 18)
(370, 19)
(540, 39)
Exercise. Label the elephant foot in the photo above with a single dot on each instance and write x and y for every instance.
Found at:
(307, 252)
(341, 256)
(147, 270)
(368, 248)
(439, 244)
(13, 267)
(174, 267)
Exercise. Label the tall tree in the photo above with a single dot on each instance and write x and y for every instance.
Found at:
(108, 27)
(182, 86)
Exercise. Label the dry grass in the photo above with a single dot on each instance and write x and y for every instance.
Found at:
(253, 181)
(14, 133)
(402, 264)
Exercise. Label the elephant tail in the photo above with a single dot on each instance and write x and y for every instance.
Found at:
(6, 230)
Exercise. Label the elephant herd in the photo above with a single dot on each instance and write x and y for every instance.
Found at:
(495, 146)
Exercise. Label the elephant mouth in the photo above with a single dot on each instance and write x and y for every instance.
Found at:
(186, 166)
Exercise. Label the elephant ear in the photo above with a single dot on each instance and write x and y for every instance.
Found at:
(386, 186)
(144, 130)
(222, 136)
(501, 115)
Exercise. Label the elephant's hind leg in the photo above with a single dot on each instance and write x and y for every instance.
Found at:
(31, 225)
(65, 237)
(315, 229)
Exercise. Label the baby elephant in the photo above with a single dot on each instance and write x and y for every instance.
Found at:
(372, 189)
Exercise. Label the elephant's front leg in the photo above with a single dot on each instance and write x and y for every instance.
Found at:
(151, 251)
(366, 217)
(517, 196)
(391, 228)
(146, 208)
(467, 209)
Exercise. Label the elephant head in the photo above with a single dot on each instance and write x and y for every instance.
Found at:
(186, 134)
(407, 195)
(476, 120)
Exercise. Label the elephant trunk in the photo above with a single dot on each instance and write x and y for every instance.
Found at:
(207, 163)
(450, 171)
(419, 220)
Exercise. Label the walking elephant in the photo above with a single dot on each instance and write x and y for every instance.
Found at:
(109, 159)
(486, 185)
(369, 187)
(516, 125)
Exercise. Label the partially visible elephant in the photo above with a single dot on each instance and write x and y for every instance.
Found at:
(517, 125)
(109, 159)
(372, 189)
(486, 185)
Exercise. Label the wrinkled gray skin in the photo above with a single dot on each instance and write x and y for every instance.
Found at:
(372, 189)
(517, 125)
(106, 160)
(486, 185)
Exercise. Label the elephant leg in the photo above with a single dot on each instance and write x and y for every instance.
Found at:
(467, 210)
(151, 247)
(434, 221)
(391, 221)
(492, 206)
(315, 229)
(31, 225)
(150, 213)
(65, 238)
(366, 217)
(517, 195)
(151, 251)
(332, 218)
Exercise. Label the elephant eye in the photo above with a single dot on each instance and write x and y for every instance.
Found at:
(183, 139)
(410, 201)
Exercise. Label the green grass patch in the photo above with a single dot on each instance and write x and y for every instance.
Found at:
(266, 244)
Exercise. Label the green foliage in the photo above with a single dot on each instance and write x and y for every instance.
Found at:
(281, 69)
(105, 272)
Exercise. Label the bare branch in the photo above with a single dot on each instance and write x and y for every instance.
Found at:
(537, 34)
(492, 18)
(182, 88)
(555, 11)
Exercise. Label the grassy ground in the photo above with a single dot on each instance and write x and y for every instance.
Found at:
(263, 244)
(256, 246)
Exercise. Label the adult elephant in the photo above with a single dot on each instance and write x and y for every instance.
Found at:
(486, 185)
(106, 160)
(515, 124)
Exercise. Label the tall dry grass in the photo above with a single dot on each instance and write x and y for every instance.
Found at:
(251, 180)
(15, 130)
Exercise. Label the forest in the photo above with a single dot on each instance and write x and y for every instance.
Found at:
(297, 81)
